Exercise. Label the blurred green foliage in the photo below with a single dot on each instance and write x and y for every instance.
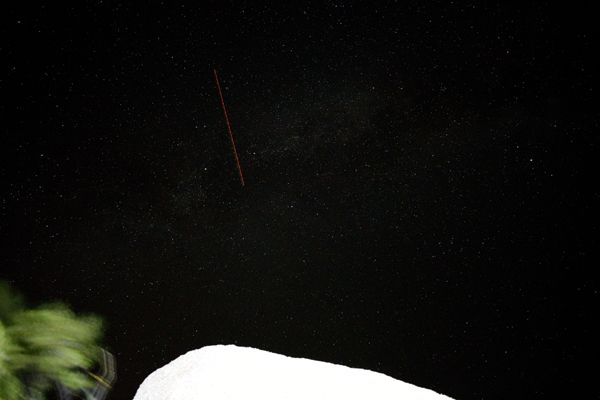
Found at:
(10, 302)
(42, 346)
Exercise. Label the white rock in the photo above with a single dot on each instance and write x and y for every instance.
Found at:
(230, 372)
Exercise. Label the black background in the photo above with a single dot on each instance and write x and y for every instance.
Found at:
(419, 193)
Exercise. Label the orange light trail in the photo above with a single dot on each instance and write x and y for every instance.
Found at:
(235, 153)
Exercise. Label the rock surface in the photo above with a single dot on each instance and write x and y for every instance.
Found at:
(230, 372)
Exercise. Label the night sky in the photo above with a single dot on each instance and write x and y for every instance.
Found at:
(419, 193)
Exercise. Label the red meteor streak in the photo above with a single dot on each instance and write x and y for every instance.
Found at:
(235, 153)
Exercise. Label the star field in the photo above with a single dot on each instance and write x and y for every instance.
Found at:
(417, 197)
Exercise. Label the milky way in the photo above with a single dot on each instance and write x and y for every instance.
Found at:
(415, 197)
